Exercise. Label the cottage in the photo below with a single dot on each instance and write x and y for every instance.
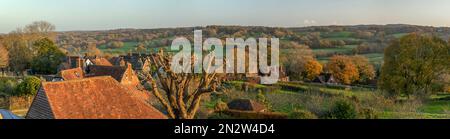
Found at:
(246, 105)
(117, 61)
(325, 79)
(72, 74)
(98, 61)
(89, 98)
(71, 62)
(125, 75)
(140, 62)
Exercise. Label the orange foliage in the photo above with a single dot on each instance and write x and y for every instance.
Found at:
(312, 69)
(343, 69)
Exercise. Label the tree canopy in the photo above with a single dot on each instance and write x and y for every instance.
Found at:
(412, 62)
(48, 57)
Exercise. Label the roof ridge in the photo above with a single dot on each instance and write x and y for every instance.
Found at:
(79, 80)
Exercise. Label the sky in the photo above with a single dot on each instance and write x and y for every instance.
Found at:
(68, 15)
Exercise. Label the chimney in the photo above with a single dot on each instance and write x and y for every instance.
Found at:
(129, 66)
(79, 62)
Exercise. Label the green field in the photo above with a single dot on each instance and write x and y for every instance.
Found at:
(341, 34)
(127, 47)
(347, 49)
(317, 98)
(399, 35)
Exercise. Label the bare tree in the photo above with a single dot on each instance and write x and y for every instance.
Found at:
(41, 29)
(179, 93)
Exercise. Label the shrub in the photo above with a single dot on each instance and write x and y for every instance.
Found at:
(7, 86)
(368, 113)
(221, 106)
(301, 114)
(220, 115)
(255, 115)
(263, 99)
(342, 110)
(29, 86)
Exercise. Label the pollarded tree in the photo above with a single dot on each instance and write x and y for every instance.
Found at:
(179, 93)
(412, 63)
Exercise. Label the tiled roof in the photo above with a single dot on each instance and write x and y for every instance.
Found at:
(72, 74)
(116, 72)
(94, 98)
(101, 61)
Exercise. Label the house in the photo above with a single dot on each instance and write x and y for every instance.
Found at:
(98, 61)
(117, 61)
(125, 75)
(246, 105)
(71, 62)
(325, 79)
(72, 74)
(256, 77)
(140, 62)
(89, 98)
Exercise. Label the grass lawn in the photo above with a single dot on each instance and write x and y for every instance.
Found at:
(412, 115)
(291, 96)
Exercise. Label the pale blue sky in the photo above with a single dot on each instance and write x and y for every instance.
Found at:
(112, 14)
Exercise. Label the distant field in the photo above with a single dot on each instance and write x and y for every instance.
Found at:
(342, 34)
(375, 58)
(127, 46)
(399, 35)
(347, 49)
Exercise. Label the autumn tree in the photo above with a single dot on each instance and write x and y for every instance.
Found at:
(4, 57)
(19, 43)
(343, 69)
(140, 48)
(48, 57)
(92, 50)
(20, 53)
(365, 69)
(312, 69)
(179, 93)
(411, 63)
(295, 59)
(115, 44)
